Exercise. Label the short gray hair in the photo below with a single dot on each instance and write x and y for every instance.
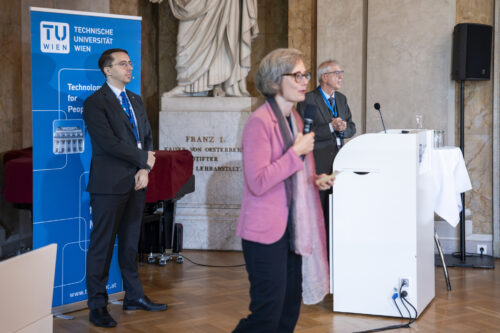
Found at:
(324, 67)
(273, 66)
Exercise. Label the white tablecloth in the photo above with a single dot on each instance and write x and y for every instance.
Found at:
(450, 179)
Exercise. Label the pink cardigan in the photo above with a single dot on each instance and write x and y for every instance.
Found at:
(264, 211)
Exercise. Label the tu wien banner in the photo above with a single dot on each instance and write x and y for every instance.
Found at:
(65, 47)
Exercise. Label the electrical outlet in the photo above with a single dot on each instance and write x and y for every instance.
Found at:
(482, 246)
(404, 283)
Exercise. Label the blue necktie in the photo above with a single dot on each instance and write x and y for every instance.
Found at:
(332, 103)
(128, 111)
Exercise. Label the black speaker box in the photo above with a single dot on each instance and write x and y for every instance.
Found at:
(471, 52)
(150, 241)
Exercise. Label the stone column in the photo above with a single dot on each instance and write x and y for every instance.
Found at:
(302, 17)
(496, 133)
(478, 134)
(341, 36)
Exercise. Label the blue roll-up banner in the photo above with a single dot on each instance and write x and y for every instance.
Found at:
(65, 48)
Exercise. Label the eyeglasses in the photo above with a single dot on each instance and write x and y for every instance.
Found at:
(298, 76)
(337, 73)
(123, 64)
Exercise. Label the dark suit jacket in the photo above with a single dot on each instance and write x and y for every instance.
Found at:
(115, 155)
(325, 143)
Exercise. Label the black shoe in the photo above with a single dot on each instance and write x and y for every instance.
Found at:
(143, 303)
(101, 317)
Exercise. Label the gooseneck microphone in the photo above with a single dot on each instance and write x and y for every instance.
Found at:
(308, 117)
(377, 107)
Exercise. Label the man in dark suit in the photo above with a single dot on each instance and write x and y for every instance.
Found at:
(332, 122)
(122, 156)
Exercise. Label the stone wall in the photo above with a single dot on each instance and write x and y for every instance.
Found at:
(15, 103)
(341, 36)
(398, 53)
(393, 51)
(10, 86)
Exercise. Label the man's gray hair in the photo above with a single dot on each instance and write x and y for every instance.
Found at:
(325, 67)
(273, 66)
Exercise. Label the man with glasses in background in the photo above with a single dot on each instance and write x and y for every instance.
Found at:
(331, 124)
(122, 156)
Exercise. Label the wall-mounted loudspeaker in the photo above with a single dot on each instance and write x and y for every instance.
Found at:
(471, 52)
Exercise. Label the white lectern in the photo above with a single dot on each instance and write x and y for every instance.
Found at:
(383, 222)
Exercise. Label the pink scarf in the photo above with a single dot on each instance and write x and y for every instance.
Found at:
(309, 239)
(309, 231)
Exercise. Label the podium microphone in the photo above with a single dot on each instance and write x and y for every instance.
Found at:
(308, 117)
(377, 107)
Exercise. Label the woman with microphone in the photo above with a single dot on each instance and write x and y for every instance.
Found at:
(281, 222)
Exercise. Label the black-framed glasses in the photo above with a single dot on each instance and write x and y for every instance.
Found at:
(337, 73)
(298, 76)
(123, 64)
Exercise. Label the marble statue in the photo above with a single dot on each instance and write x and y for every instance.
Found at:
(213, 46)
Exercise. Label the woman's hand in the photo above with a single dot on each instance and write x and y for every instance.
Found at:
(324, 181)
(303, 143)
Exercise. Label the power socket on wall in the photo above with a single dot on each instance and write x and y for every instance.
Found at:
(404, 283)
(484, 248)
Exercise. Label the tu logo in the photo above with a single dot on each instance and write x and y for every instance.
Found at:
(54, 37)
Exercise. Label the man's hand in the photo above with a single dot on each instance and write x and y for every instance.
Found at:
(141, 179)
(151, 159)
(338, 124)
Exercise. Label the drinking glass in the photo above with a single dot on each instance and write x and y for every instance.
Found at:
(438, 138)
(419, 120)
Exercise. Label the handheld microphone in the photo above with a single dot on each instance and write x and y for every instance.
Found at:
(309, 112)
(377, 107)
(308, 117)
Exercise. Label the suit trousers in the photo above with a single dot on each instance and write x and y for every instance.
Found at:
(275, 275)
(112, 215)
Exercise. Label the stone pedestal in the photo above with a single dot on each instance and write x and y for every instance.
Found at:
(211, 128)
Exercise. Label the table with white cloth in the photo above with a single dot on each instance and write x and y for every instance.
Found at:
(450, 178)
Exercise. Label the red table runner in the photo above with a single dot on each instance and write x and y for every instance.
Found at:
(171, 171)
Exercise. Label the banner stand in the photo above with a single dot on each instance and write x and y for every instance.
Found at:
(65, 48)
